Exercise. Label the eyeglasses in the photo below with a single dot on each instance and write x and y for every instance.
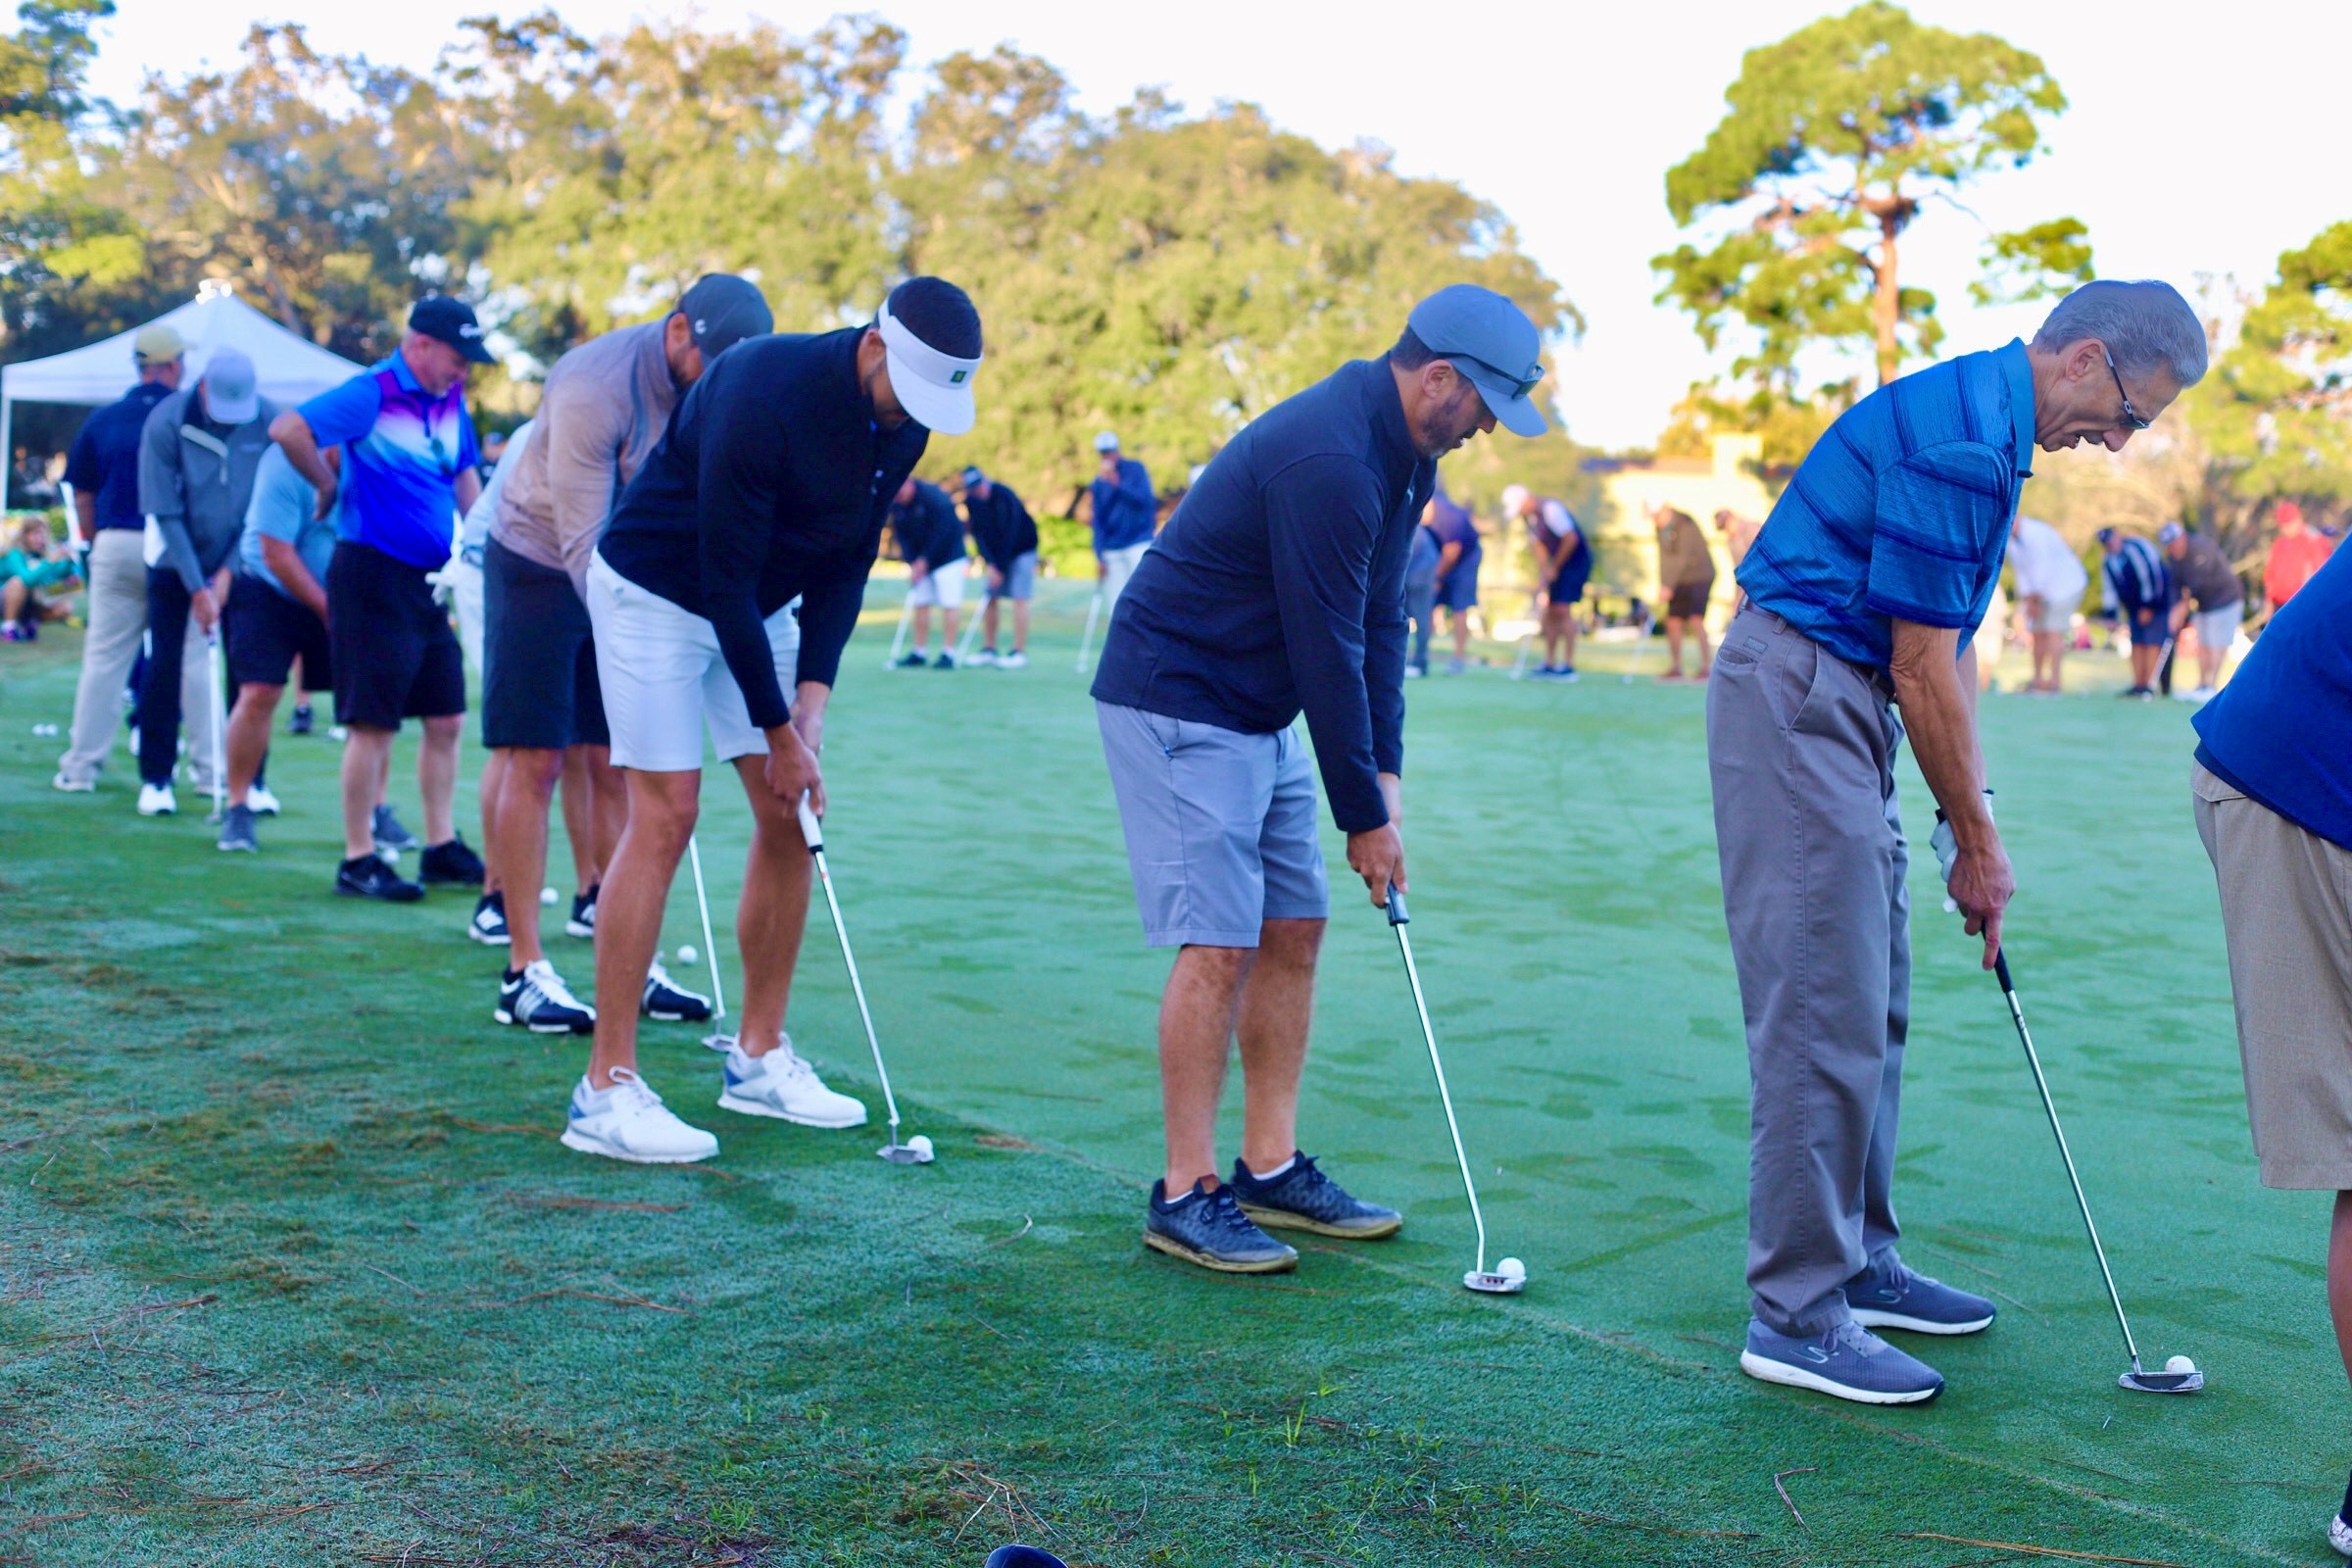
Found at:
(2131, 413)
(1520, 386)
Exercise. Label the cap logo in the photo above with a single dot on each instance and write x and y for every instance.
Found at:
(470, 330)
(957, 380)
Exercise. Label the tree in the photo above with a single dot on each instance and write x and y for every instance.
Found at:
(1836, 137)
(2276, 411)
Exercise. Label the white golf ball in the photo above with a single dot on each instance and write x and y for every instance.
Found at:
(2180, 1363)
(547, 895)
(1510, 1268)
(920, 1144)
(688, 955)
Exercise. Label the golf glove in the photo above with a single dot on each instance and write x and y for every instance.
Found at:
(1948, 847)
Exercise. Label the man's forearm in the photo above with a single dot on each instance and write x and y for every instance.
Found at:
(291, 431)
(1935, 685)
(85, 513)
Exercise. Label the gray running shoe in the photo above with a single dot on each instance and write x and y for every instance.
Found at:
(236, 831)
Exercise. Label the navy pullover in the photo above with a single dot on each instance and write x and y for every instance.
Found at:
(771, 482)
(1279, 587)
(1001, 526)
(1124, 513)
(104, 464)
(927, 527)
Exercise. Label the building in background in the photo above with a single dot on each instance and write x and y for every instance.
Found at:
(1625, 541)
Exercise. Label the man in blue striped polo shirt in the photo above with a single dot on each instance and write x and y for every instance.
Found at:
(1862, 592)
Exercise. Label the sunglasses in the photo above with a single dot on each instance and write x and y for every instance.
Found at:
(2131, 414)
(1520, 386)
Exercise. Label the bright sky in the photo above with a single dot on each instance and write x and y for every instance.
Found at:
(2199, 141)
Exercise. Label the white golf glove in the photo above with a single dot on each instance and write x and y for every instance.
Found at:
(1948, 847)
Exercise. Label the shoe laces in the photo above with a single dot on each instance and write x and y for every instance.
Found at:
(1225, 1211)
(542, 974)
(1852, 1336)
(633, 1092)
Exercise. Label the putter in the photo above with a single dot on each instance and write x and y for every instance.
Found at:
(2137, 1378)
(1489, 1282)
(213, 660)
(916, 1151)
(1639, 643)
(718, 1039)
(897, 639)
(1534, 610)
(971, 629)
(1086, 644)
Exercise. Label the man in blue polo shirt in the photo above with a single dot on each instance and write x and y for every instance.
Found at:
(1279, 589)
(1863, 590)
(1125, 513)
(410, 468)
(2273, 793)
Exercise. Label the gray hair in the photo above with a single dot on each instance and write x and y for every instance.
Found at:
(2145, 325)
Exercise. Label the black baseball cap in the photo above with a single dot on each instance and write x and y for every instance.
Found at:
(453, 323)
(724, 310)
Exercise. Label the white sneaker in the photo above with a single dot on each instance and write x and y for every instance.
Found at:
(1016, 660)
(628, 1121)
(982, 658)
(261, 800)
(156, 800)
(783, 1085)
(2339, 1535)
(73, 786)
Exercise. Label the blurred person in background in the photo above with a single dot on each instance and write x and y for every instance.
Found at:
(35, 566)
(2137, 585)
(2296, 554)
(1685, 582)
(2211, 602)
(1459, 551)
(2050, 583)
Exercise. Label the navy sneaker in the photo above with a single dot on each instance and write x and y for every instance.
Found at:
(1849, 1362)
(1304, 1198)
(370, 877)
(303, 721)
(489, 923)
(582, 923)
(390, 837)
(1210, 1229)
(1888, 1296)
(451, 863)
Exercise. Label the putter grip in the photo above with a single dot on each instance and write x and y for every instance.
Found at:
(809, 828)
(2001, 970)
(1396, 908)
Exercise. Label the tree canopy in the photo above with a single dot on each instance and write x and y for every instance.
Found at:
(2276, 409)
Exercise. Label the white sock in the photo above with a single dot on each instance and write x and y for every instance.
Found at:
(1269, 1175)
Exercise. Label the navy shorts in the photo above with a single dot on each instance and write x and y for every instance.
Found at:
(396, 656)
(1568, 588)
(1458, 588)
(267, 630)
(2153, 634)
(539, 680)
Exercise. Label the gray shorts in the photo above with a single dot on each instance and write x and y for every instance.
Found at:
(1020, 578)
(1220, 827)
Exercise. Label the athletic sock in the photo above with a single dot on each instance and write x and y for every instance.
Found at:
(513, 975)
(1269, 1175)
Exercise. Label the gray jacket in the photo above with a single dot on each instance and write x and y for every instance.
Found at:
(197, 483)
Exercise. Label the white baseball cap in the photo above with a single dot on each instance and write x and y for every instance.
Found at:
(1514, 496)
(931, 332)
(1107, 441)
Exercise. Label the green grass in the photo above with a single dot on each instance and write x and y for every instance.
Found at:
(293, 1270)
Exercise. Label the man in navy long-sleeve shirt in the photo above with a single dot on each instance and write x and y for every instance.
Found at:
(1006, 535)
(770, 484)
(1279, 589)
(1125, 513)
(930, 535)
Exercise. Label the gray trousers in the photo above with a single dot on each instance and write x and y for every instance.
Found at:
(118, 601)
(1801, 750)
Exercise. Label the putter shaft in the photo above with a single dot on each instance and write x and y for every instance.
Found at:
(1397, 920)
(814, 832)
(2016, 1014)
(702, 899)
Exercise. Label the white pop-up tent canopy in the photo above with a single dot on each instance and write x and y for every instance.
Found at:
(291, 368)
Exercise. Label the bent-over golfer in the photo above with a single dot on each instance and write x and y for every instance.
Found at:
(769, 485)
(1862, 591)
(1279, 588)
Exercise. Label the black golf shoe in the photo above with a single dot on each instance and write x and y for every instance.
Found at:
(372, 877)
(1304, 1198)
(1206, 1228)
(452, 863)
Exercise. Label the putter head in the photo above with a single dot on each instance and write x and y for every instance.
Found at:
(915, 1151)
(2141, 1382)
(1488, 1282)
(719, 1041)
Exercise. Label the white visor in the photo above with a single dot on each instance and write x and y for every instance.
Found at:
(933, 389)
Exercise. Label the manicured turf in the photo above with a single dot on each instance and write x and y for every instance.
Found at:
(295, 1271)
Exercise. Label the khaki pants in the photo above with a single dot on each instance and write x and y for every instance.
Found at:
(2286, 912)
(1800, 751)
(118, 621)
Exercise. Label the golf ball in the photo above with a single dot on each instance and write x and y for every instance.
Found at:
(547, 895)
(921, 1145)
(1510, 1268)
(2180, 1363)
(688, 955)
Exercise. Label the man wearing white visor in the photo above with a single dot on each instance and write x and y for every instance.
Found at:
(770, 484)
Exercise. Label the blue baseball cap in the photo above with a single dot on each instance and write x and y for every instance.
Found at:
(1490, 341)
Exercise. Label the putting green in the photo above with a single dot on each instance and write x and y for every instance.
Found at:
(292, 1269)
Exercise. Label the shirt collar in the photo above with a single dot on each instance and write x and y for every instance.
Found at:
(1388, 420)
(2018, 373)
(398, 365)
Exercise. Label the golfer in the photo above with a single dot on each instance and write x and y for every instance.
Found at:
(1279, 588)
(1862, 589)
(1420, 596)
(930, 535)
(1124, 513)
(2050, 581)
(2135, 583)
(1563, 566)
(769, 485)
(2273, 793)
(197, 455)
(1006, 538)
(2295, 557)
(2212, 602)
(409, 470)
(1685, 582)
(1459, 553)
(605, 406)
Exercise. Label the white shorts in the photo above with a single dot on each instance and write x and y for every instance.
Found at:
(665, 680)
(2056, 617)
(941, 585)
(2217, 629)
(1117, 567)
